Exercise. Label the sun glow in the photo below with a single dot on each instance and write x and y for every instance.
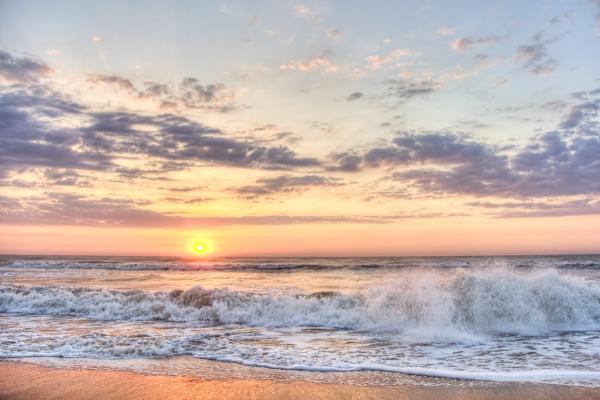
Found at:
(198, 247)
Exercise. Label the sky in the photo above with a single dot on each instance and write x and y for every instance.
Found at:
(313, 128)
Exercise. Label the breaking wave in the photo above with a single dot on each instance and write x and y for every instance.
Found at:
(460, 306)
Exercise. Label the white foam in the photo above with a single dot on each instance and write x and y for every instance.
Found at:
(538, 375)
(462, 306)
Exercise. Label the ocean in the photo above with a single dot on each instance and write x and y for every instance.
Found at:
(373, 320)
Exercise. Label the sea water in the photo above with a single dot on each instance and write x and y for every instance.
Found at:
(473, 318)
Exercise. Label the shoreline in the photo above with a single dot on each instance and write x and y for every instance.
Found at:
(23, 381)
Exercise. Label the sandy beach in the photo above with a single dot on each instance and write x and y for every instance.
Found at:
(28, 381)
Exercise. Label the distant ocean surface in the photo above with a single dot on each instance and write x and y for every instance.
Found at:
(482, 318)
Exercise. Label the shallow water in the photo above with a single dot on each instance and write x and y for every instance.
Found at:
(495, 319)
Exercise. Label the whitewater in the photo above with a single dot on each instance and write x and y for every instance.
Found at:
(492, 319)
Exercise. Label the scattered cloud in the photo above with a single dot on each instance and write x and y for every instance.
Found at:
(402, 90)
(116, 81)
(355, 96)
(534, 57)
(322, 64)
(286, 184)
(189, 93)
(65, 177)
(464, 44)
(375, 62)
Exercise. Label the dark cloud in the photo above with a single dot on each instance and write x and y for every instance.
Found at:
(534, 57)
(286, 184)
(582, 116)
(154, 89)
(354, 96)
(117, 81)
(553, 164)
(345, 161)
(26, 140)
(188, 200)
(404, 90)
(439, 148)
(25, 69)
(541, 209)
(193, 94)
(64, 177)
(168, 141)
(562, 162)
(177, 138)
(185, 189)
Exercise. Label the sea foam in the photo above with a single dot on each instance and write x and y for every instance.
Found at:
(459, 306)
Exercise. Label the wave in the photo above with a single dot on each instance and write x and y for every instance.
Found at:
(293, 264)
(180, 266)
(537, 375)
(422, 306)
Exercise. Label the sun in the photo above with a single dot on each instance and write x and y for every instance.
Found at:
(198, 247)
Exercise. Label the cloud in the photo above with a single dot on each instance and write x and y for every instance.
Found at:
(177, 138)
(286, 184)
(345, 162)
(97, 39)
(117, 81)
(303, 11)
(212, 97)
(72, 209)
(463, 44)
(561, 162)
(27, 139)
(64, 177)
(25, 69)
(189, 93)
(435, 147)
(375, 62)
(334, 33)
(582, 116)
(322, 64)
(354, 96)
(188, 200)
(30, 137)
(534, 57)
(402, 90)
(596, 4)
(541, 209)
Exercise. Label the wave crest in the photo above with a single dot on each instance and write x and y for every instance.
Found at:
(459, 306)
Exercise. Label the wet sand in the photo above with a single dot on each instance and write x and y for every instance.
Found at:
(28, 381)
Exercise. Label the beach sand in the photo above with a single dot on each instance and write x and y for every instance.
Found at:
(28, 381)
